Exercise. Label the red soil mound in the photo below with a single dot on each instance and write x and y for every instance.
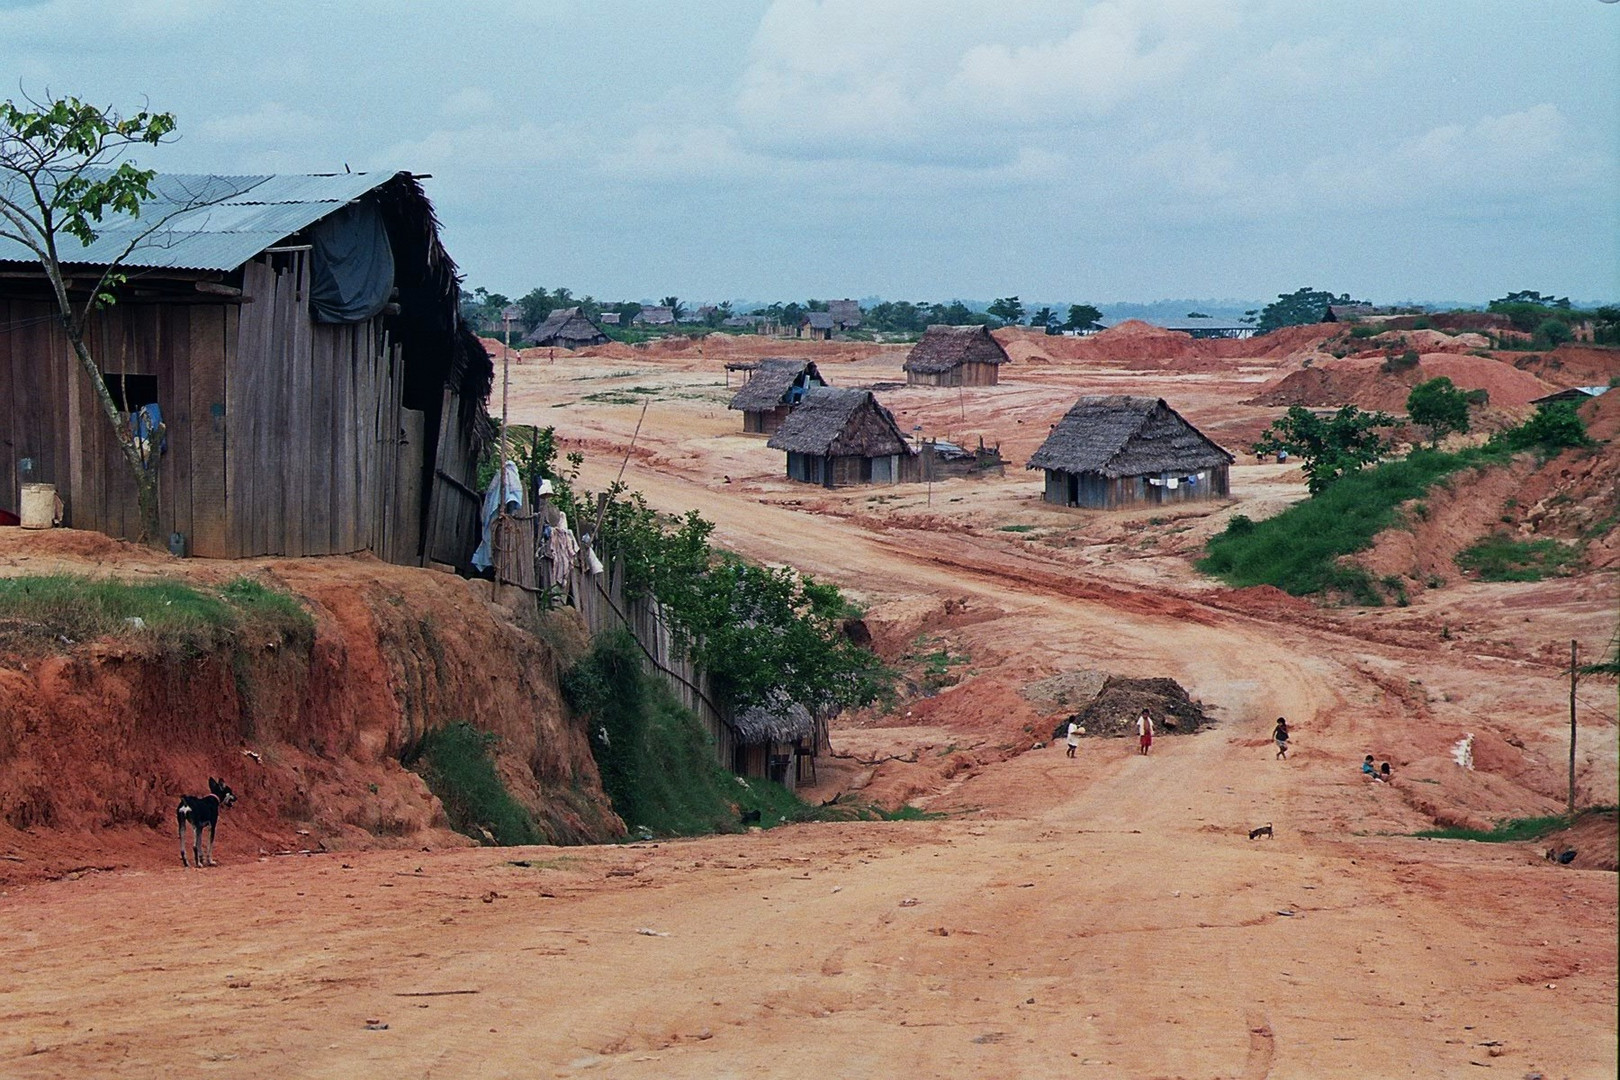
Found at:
(1361, 381)
(1570, 365)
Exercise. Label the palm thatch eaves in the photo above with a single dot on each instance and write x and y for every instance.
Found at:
(772, 383)
(777, 721)
(567, 327)
(1117, 435)
(945, 347)
(836, 422)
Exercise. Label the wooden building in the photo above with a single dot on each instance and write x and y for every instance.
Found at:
(650, 315)
(302, 338)
(846, 314)
(773, 390)
(1115, 451)
(817, 325)
(566, 328)
(778, 741)
(955, 356)
(837, 438)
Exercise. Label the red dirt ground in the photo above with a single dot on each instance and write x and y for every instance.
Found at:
(1105, 916)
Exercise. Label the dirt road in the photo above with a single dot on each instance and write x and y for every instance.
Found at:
(1106, 916)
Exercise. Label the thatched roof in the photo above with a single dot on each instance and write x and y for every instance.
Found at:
(818, 320)
(772, 382)
(945, 347)
(1117, 435)
(779, 720)
(832, 422)
(567, 327)
(846, 313)
(650, 315)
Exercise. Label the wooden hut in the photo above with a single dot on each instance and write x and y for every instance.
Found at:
(846, 314)
(817, 325)
(302, 339)
(777, 741)
(773, 390)
(566, 328)
(955, 356)
(841, 437)
(1116, 451)
(650, 315)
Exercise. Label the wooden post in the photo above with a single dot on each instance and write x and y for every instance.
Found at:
(1572, 651)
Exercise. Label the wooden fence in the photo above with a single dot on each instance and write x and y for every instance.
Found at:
(601, 601)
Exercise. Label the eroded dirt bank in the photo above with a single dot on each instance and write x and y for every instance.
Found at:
(98, 740)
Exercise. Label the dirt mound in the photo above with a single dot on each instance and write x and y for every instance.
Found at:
(1595, 838)
(1114, 710)
(1361, 381)
(99, 739)
(1570, 365)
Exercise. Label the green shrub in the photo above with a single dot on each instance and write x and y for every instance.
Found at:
(1423, 322)
(1362, 331)
(457, 762)
(1555, 426)
(1500, 557)
(1406, 361)
(1300, 549)
(1508, 831)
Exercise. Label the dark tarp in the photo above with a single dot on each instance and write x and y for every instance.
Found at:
(352, 271)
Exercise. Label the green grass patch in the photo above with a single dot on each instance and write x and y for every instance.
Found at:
(1298, 550)
(1017, 528)
(1510, 830)
(458, 764)
(56, 610)
(1500, 557)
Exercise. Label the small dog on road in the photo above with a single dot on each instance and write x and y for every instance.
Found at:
(203, 813)
(1264, 830)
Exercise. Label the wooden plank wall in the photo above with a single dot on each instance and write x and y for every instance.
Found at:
(315, 419)
(601, 602)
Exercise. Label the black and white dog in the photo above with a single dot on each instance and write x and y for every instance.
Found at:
(203, 813)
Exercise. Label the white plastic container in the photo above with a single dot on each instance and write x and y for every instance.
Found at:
(40, 506)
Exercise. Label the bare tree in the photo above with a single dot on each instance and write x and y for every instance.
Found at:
(62, 171)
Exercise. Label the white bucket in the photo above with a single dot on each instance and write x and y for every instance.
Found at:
(40, 506)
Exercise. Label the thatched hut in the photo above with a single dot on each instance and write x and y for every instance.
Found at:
(566, 328)
(841, 437)
(1118, 451)
(846, 314)
(955, 356)
(652, 315)
(301, 337)
(774, 390)
(817, 325)
(774, 741)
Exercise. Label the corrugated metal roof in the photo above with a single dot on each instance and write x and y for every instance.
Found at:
(232, 219)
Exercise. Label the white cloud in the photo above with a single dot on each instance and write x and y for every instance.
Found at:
(271, 123)
(468, 103)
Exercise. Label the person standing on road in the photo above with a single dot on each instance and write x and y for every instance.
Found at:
(1075, 731)
(1280, 736)
(1144, 732)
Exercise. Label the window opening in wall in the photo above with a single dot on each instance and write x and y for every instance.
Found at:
(130, 392)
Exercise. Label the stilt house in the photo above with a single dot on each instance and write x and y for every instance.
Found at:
(1111, 452)
(837, 438)
(300, 336)
(566, 328)
(773, 391)
(955, 356)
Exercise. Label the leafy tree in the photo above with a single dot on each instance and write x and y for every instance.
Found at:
(1555, 426)
(1329, 448)
(1009, 309)
(1529, 296)
(537, 305)
(674, 305)
(955, 313)
(1299, 308)
(1083, 317)
(1439, 406)
(1554, 332)
(1045, 318)
(62, 172)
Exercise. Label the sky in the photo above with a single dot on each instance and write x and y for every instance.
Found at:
(1059, 150)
